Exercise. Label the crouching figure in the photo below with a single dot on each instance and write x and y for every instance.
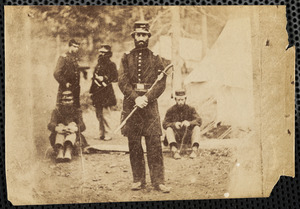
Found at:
(182, 126)
(66, 126)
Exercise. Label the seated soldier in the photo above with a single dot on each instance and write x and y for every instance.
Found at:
(66, 126)
(182, 124)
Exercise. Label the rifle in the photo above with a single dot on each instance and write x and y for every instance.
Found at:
(159, 77)
(183, 138)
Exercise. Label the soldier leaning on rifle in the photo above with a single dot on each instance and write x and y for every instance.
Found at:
(67, 72)
(182, 124)
(66, 126)
(138, 71)
(102, 93)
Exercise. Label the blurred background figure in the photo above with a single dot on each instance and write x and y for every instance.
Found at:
(182, 124)
(67, 72)
(66, 126)
(102, 93)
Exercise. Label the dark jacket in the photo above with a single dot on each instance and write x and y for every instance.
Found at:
(58, 116)
(104, 96)
(67, 71)
(141, 66)
(179, 114)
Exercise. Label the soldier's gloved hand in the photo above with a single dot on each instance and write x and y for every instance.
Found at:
(71, 130)
(141, 101)
(72, 124)
(77, 144)
(64, 130)
(72, 127)
(178, 125)
(68, 85)
(160, 76)
(100, 78)
(186, 123)
(60, 128)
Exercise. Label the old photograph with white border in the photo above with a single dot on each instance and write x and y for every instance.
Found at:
(147, 103)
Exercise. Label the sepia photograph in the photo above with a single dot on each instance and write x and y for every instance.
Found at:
(147, 103)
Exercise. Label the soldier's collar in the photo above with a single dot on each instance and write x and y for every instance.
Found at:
(140, 49)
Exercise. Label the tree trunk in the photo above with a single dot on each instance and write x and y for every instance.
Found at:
(177, 82)
(141, 14)
(90, 43)
(57, 39)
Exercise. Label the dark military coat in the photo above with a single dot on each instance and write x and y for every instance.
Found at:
(59, 116)
(104, 96)
(179, 114)
(139, 69)
(67, 71)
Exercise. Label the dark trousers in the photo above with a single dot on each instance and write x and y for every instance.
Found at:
(154, 157)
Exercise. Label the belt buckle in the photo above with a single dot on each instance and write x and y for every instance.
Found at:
(140, 86)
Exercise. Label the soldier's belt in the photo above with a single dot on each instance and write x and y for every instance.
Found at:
(142, 87)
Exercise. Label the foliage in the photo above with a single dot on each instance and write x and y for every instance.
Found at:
(113, 24)
(102, 22)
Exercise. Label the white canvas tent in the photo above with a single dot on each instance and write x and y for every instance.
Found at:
(224, 77)
(190, 50)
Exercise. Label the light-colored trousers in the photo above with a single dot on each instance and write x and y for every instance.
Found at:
(62, 138)
(104, 116)
(195, 136)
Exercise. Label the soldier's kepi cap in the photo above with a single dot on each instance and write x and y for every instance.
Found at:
(180, 93)
(141, 27)
(72, 42)
(105, 48)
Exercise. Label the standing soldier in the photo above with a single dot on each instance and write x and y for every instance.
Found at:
(101, 90)
(67, 73)
(138, 71)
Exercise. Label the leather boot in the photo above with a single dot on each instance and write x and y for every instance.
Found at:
(163, 188)
(68, 153)
(137, 186)
(60, 154)
(107, 138)
(175, 152)
(194, 151)
(193, 154)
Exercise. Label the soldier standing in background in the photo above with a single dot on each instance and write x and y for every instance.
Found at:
(67, 73)
(138, 71)
(102, 93)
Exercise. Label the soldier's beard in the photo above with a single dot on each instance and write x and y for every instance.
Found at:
(180, 105)
(102, 58)
(66, 109)
(73, 52)
(141, 44)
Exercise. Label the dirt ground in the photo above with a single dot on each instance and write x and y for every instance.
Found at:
(107, 178)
